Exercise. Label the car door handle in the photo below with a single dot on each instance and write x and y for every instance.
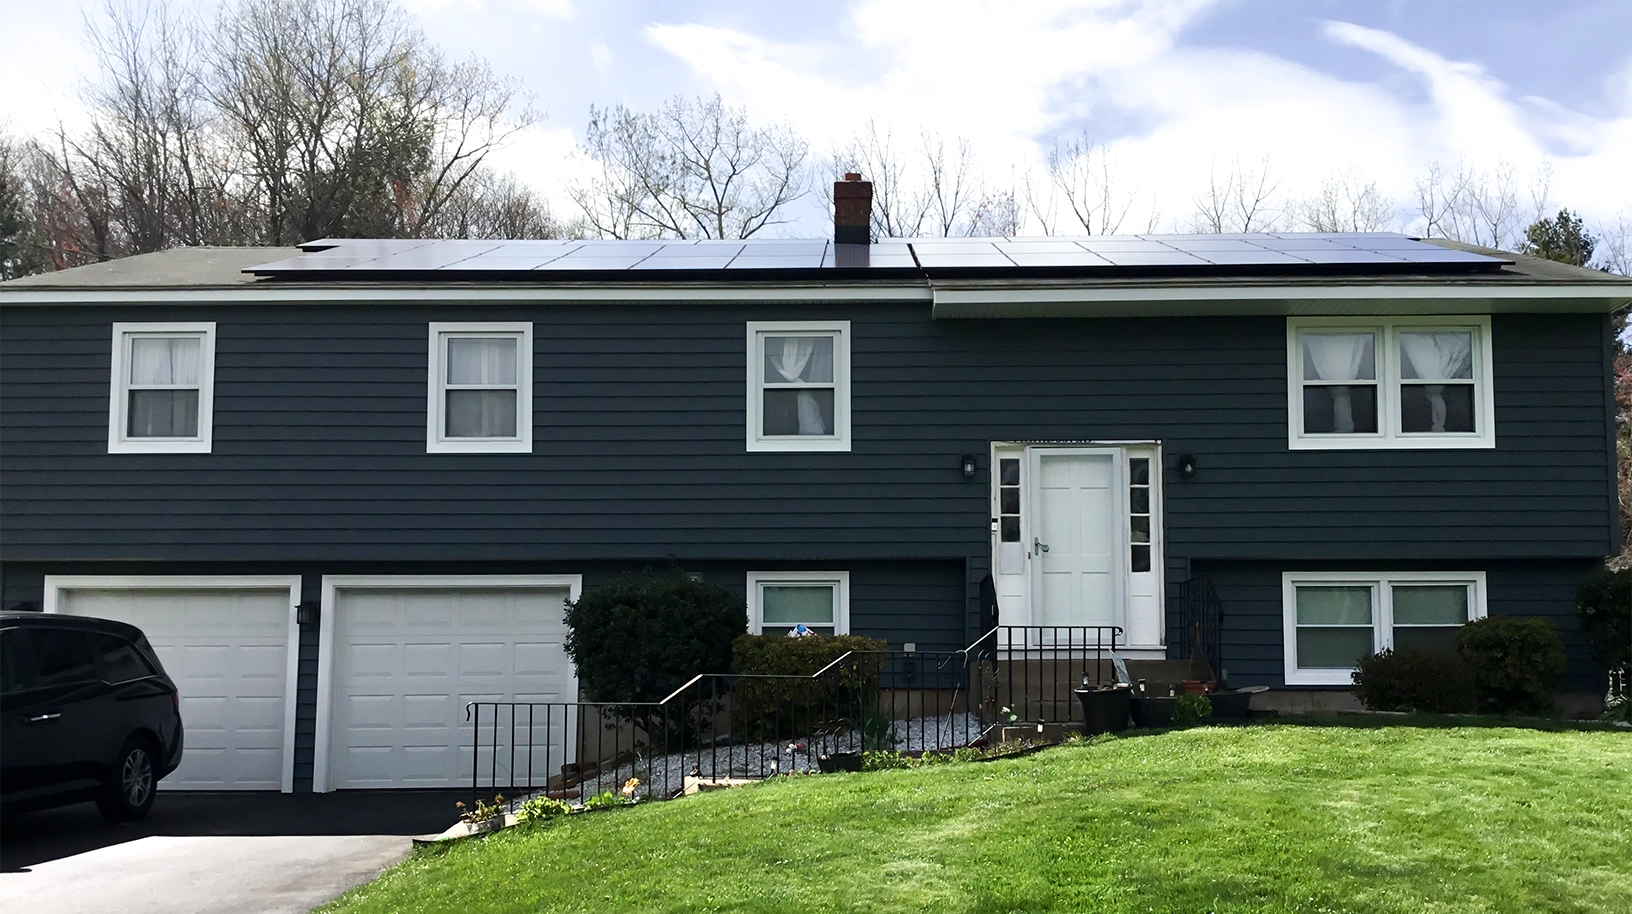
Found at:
(41, 717)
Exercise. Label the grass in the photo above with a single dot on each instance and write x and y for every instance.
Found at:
(1255, 819)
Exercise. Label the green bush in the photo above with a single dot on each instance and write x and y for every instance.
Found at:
(1518, 663)
(640, 636)
(1413, 679)
(541, 809)
(1603, 603)
(798, 705)
(1188, 710)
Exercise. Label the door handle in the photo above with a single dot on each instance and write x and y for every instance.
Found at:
(1039, 545)
(39, 717)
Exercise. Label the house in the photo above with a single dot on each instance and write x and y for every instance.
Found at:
(346, 488)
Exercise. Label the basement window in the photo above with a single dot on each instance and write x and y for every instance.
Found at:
(778, 601)
(1332, 619)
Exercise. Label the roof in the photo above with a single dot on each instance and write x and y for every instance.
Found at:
(1282, 273)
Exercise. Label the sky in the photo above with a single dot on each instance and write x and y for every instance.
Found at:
(1176, 90)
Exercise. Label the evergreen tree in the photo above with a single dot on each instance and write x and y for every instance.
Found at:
(1562, 238)
(20, 249)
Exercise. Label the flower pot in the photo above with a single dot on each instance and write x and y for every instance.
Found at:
(1230, 704)
(1153, 712)
(838, 761)
(1105, 710)
(483, 826)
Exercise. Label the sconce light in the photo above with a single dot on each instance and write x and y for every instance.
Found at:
(1187, 465)
(307, 613)
(970, 467)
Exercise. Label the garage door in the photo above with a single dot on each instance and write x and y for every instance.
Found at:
(405, 662)
(228, 652)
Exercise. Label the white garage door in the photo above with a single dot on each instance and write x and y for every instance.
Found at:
(228, 652)
(405, 662)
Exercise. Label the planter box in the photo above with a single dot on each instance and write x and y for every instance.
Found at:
(1149, 711)
(1105, 710)
(838, 761)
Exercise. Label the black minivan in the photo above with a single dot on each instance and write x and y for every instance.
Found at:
(86, 713)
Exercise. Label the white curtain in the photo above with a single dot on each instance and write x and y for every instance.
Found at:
(802, 358)
(1436, 357)
(477, 362)
(1339, 357)
(164, 360)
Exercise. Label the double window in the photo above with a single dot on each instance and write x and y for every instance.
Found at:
(1407, 383)
(481, 389)
(163, 388)
(1333, 619)
(778, 601)
(798, 386)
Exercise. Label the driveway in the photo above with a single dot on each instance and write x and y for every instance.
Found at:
(213, 853)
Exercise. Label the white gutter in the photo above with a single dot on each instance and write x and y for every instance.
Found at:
(969, 301)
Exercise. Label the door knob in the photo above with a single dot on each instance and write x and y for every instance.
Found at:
(1039, 545)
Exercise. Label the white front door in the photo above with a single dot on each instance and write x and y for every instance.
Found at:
(405, 660)
(228, 651)
(1079, 559)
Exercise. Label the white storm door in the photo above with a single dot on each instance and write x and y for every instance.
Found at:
(228, 651)
(1078, 555)
(406, 660)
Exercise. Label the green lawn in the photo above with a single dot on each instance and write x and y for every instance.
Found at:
(1263, 818)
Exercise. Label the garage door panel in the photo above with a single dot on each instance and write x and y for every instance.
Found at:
(417, 657)
(228, 652)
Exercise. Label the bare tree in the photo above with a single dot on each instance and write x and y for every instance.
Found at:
(900, 206)
(693, 169)
(951, 184)
(932, 189)
(1480, 206)
(1346, 202)
(1081, 171)
(1242, 202)
(349, 121)
(492, 205)
(1615, 244)
(22, 250)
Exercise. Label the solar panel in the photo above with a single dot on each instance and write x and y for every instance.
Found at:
(1188, 253)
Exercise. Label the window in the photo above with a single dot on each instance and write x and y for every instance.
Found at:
(162, 390)
(481, 389)
(121, 661)
(780, 600)
(62, 657)
(1334, 619)
(798, 386)
(1407, 383)
(1139, 514)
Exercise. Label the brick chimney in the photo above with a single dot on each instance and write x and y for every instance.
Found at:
(852, 210)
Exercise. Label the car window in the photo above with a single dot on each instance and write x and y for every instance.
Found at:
(13, 660)
(121, 661)
(62, 656)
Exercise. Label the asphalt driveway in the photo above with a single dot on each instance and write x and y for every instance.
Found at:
(212, 853)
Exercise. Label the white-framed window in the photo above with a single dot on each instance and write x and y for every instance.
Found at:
(798, 385)
(780, 600)
(1419, 382)
(481, 389)
(162, 390)
(1332, 619)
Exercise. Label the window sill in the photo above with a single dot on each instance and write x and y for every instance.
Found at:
(158, 446)
(797, 445)
(1343, 678)
(478, 446)
(1413, 443)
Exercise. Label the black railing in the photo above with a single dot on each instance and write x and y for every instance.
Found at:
(730, 726)
(1197, 632)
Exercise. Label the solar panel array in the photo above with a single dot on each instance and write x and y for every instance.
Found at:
(1095, 254)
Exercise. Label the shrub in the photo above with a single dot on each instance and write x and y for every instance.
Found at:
(1603, 603)
(538, 810)
(1188, 710)
(779, 708)
(1412, 679)
(1518, 662)
(640, 636)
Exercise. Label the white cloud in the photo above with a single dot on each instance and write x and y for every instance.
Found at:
(601, 56)
(1010, 77)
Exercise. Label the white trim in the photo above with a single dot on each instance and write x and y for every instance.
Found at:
(998, 299)
(1382, 622)
(574, 583)
(119, 385)
(1387, 360)
(759, 442)
(56, 584)
(436, 440)
(841, 590)
(473, 294)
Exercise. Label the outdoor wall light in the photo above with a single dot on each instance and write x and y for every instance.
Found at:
(306, 614)
(970, 467)
(1187, 465)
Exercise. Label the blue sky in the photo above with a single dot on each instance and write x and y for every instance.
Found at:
(1175, 88)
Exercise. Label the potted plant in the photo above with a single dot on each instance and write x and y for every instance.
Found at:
(1105, 709)
(485, 817)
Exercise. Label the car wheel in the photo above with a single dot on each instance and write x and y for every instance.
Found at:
(129, 793)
